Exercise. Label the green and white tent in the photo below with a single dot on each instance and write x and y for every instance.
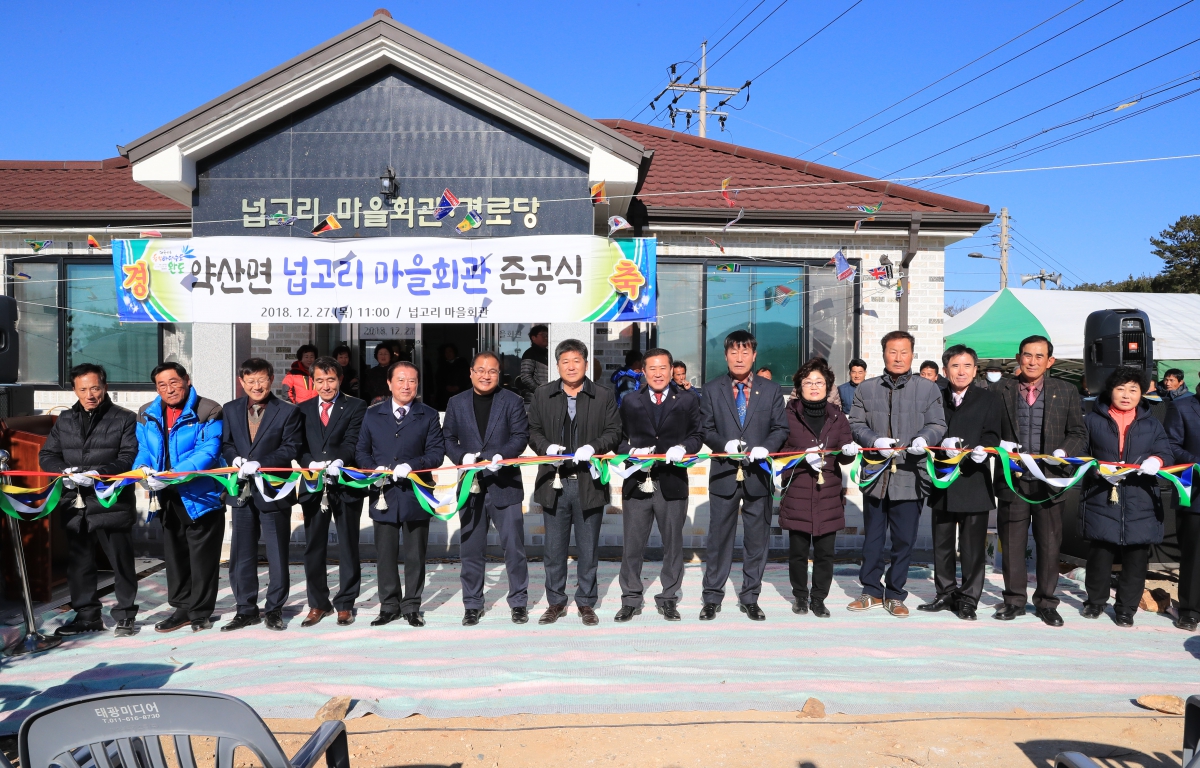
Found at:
(995, 326)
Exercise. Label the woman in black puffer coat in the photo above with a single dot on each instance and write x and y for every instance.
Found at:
(1125, 518)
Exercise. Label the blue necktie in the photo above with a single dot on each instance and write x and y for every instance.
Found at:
(741, 404)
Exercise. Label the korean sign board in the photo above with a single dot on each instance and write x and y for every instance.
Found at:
(548, 278)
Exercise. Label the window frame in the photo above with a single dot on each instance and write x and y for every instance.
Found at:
(13, 263)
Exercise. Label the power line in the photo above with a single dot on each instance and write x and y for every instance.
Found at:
(751, 32)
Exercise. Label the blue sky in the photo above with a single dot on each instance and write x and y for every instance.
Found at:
(84, 79)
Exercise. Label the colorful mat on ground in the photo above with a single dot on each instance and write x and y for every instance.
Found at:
(854, 663)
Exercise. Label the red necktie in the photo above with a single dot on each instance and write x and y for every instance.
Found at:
(658, 398)
(325, 407)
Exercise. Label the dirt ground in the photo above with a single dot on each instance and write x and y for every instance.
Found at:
(760, 739)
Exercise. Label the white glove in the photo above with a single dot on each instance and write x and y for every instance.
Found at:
(584, 454)
(150, 482)
(675, 453)
(400, 472)
(642, 451)
(1010, 447)
(318, 464)
(734, 446)
(470, 458)
(1059, 453)
(335, 468)
(238, 461)
(884, 445)
(494, 465)
(1150, 466)
(248, 468)
(978, 455)
(758, 453)
(951, 445)
(85, 479)
(918, 446)
(814, 457)
(850, 449)
(554, 449)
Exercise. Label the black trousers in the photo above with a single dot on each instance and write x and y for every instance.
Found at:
(274, 528)
(192, 551)
(1135, 559)
(799, 546)
(476, 515)
(117, 544)
(637, 520)
(966, 533)
(347, 515)
(387, 558)
(1187, 526)
(901, 518)
(722, 536)
(1012, 522)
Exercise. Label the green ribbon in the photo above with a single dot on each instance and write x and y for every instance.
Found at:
(51, 502)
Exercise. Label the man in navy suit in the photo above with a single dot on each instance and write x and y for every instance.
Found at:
(259, 430)
(658, 418)
(332, 421)
(742, 413)
(489, 423)
(401, 434)
(1183, 428)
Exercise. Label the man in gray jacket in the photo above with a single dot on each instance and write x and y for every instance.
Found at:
(899, 414)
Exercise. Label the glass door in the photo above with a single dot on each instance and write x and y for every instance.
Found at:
(767, 301)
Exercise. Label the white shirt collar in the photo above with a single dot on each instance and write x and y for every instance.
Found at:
(400, 410)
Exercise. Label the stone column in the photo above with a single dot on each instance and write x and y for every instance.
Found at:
(217, 349)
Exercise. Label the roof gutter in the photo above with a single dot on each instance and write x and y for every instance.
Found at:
(910, 253)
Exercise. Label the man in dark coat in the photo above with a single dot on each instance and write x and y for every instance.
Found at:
(656, 419)
(1182, 423)
(1040, 415)
(402, 435)
(95, 437)
(572, 417)
(960, 511)
(741, 413)
(332, 422)
(259, 430)
(489, 423)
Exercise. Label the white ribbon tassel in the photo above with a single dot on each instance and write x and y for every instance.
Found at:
(740, 474)
(325, 498)
(154, 505)
(78, 499)
(647, 485)
(557, 484)
(475, 484)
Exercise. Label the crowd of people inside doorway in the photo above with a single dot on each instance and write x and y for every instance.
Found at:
(740, 416)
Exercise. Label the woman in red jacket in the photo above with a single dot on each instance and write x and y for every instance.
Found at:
(298, 383)
(812, 510)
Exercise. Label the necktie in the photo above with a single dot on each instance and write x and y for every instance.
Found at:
(1031, 396)
(658, 398)
(401, 412)
(325, 408)
(741, 403)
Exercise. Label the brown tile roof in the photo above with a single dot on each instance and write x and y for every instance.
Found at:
(77, 187)
(684, 162)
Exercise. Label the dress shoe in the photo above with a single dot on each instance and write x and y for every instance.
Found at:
(1187, 625)
(275, 621)
(520, 615)
(553, 614)
(173, 622)
(471, 617)
(242, 620)
(345, 618)
(414, 619)
(668, 611)
(626, 613)
(1123, 619)
(864, 603)
(1092, 611)
(753, 611)
(78, 626)
(817, 606)
(896, 607)
(127, 627)
(588, 615)
(199, 625)
(939, 604)
(385, 617)
(966, 612)
(1049, 617)
(710, 611)
(1008, 612)
(314, 616)
(800, 607)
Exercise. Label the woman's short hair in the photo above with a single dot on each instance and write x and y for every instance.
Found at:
(819, 365)
(1126, 375)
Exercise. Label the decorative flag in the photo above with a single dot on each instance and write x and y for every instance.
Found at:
(729, 267)
(736, 219)
(858, 223)
(616, 224)
(778, 296)
(93, 242)
(599, 195)
(867, 208)
(446, 205)
(38, 245)
(881, 273)
(899, 291)
(278, 219)
(725, 191)
(720, 247)
(472, 220)
(149, 233)
(841, 266)
(327, 224)
(23, 276)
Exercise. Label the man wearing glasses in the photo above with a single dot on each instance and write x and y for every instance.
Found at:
(489, 424)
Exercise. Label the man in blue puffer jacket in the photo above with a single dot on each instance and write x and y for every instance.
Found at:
(179, 431)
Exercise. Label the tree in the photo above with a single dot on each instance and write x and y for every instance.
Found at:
(1179, 248)
(1140, 284)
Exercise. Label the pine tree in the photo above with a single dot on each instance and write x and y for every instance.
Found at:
(1179, 248)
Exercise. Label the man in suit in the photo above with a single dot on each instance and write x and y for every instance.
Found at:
(1182, 423)
(656, 419)
(858, 374)
(489, 423)
(402, 435)
(332, 421)
(259, 430)
(960, 511)
(741, 413)
(572, 417)
(1040, 415)
(680, 378)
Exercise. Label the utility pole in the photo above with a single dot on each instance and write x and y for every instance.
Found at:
(1003, 248)
(698, 85)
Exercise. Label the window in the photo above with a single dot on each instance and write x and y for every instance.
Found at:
(680, 323)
